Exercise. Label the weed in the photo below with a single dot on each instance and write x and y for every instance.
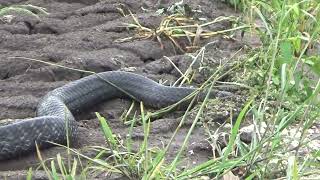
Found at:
(7, 13)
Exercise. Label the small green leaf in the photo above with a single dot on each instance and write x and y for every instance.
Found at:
(296, 9)
(296, 42)
(235, 129)
(74, 168)
(286, 52)
(292, 171)
(54, 171)
(316, 67)
(275, 80)
(29, 174)
(107, 130)
(297, 79)
(61, 165)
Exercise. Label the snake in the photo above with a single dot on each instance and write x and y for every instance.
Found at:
(54, 121)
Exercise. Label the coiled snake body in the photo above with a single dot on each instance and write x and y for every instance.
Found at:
(54, 112)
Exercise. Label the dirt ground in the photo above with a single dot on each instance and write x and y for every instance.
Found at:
(81, 34)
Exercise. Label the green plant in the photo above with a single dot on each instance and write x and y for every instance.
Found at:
(27, 10)
(287, 74)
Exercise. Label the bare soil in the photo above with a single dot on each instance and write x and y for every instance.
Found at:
(81, 34)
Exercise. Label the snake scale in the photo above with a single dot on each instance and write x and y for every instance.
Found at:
(55, 110)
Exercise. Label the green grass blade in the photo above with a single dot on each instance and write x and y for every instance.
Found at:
(54, 171)
(29, 174)
(235, 130)
(107, 132)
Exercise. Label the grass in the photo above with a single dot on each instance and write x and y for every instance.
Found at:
(283, 76)
(289, 97)
(7, 13)
(177, 26)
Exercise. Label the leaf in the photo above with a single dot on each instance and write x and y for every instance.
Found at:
(275, 80)
(61, 165)
(307, 88)
(54, 171)
(297, 79)
(235, 129)
(296, 42)
(74, 168)
(296, 9)
(107, 131)
(316, 67)
(286, 52)
(29, 174)
(276, 4)
(16, 10)
(292, 171)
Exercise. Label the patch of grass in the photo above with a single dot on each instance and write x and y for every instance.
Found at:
(177, 26)
(7, 13)
(286, 72)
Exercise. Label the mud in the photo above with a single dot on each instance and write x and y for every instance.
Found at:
(82, 35)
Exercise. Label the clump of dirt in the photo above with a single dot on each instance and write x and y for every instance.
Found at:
(82, 34)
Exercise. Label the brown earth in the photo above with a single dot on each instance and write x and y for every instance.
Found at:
(81, 34)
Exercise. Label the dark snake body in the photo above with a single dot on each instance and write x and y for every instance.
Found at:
(55, 110)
